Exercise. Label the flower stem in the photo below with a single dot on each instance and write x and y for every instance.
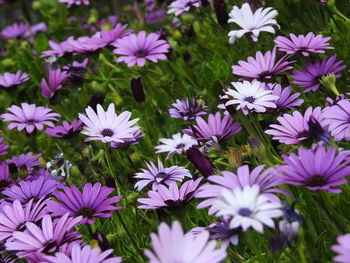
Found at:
(110, 168)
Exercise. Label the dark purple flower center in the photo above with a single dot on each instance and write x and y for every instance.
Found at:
(141, 53)
(265, 74)
(49, 246)
(316, 180)
(4, 183)
(180, 146)
(86, 212)
(249, 99)
(245, 211)
(107, 132)
(161, 176)
(30, 121)
(303, 134)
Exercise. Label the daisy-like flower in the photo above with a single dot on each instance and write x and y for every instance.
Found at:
(262, 67)
(82, 254)
(177, 145)
(92, 202)
(65, 131)
(286, 101)
(136, 49)
(15, 30)
(317, 169)
(295, 128)
(248, 208)
(74, 2)
(56, 79)
(158, 175)
(51, 237)
(57, 49)
(134, 140)
(14, 217)
(27, 190)
(30, 117)
(109, 37)
(25, 161)
(221, 129)
(309, 77)
(262, 20)
(9, 80)
(3, 147)
(251, 97)
(171, 197)
(342, 248)
(178, 7)
(266, 180)
(303, 44)
(187, 109)
(172, 245)
(107, 126)
(5, 179)
(35, 29)
(337, 119)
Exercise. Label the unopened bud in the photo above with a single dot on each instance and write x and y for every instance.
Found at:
(221, 12)
(200, 161)
(137, 89)
(329, 82)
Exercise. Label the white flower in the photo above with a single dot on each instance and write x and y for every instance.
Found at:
(178, 144)
(107, 126)
(248, 208)
(254, 23)
(251, 96)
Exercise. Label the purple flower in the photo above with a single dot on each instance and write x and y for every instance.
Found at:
(56, 79)
(309, 77)
(303, 44)
(58, 49)
(109, 37)
(200, 160)
(15, 30)
(137, 136)
(157, 16)
(35, 29)
(187, 109)
(14, 217)
(221, 129)
(172, 245)
(177, 145)
(262, 66)
(294, 128)
(27, 190)
(267, 181)
(25, 162)
(262, 20)
(317, 169)
(171, 197)
(158, 175)
(286, 101)
(75, 2)
(3, 147)
(30, 117)
(178, 7)
(65, 131)
(337, 119)
(9, 80)
(251, 97)
(107, 126)
(5, 179)
(141, 47)
(36, 242)
(81, 254)
(92, 202)
(342, 248)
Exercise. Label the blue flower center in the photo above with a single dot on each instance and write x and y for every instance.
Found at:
(107, 132)
(141, 53)
(245, 212)
(249, 99)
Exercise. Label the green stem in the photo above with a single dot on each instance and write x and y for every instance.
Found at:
(110, 168)
(130, 236)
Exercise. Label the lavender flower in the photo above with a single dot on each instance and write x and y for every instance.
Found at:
(25, 162)
(3, 147)
(187, 109)
(317, 169)
(342, 248)
(144, 47)
(70, 3)
(309, 77)
(56, 79)
(200, 160)
(158, 175)
(303, 44)
(65, 131)
(262, 20)
(9, 80)
(261, 67)
(171, 197)
(177, 145)
(90, 203)
(5, 179)
(30, 117)
(15, 30)
(172, 245)
(178, 7)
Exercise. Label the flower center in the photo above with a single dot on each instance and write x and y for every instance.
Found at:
(107, 132)
(245, 212)
(86, 212)
(180, 146)
(49, 246)
(265, 74)
(161, 176)
(30, 121)
(4, 183)
(316, 180)
(141, 53)
(249, 99)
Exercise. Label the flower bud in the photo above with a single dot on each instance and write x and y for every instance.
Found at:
(221, 12)
(329, 82)
(200, 161)
(137, 89)
(317, 132)
(96, 98)
(234, 157)
(102, 241)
